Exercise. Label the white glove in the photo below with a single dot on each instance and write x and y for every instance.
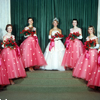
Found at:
(79, 37)
(2, 45)
(26, 36)
(49, 36)
(96, 47)
(35, 35)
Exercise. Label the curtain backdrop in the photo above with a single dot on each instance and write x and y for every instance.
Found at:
(43, 12)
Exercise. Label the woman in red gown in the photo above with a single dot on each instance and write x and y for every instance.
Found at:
(74, 48)
(88, 60)
(31, 53)
(11, 56)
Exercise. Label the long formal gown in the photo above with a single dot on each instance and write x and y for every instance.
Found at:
(86, 63)
(3, 73)
(73, 52)
(13, 62)
(55, 55)
(94, 79)
(31, 53)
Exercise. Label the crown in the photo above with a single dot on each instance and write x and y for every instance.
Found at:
(56, 19)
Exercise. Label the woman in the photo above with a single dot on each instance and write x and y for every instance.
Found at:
(88, 60)
(31, 53)
(74, 47)
(55, 49)
(11, 56)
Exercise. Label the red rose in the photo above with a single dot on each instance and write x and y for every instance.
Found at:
(90, 41)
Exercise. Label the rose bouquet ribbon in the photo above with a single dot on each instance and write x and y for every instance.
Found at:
(67, 42)
(36, 39)
(87, 54)
(17, 50)
(52, 44)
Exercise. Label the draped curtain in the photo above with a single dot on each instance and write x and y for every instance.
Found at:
(43, 12)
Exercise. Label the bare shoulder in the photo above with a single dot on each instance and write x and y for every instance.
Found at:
(95, 36)
(34, 28)
(13, 35)
(51, 30)
(71, 28)
(87, 37)
(59, 29)
(79, 29)
(4, 36)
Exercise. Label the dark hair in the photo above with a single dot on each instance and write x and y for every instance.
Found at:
(93, 28)
(75, 20)
(8, 26)
(30, 18)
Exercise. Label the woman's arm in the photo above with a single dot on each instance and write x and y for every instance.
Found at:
(4, 38)
(80, 31)
(50, 34)
(60, 31)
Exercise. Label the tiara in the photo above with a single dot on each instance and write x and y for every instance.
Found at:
(56, 20)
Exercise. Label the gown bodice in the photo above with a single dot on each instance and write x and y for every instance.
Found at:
(34, 28)
(54, 32)
(7, 37)
(87, 39)
(74, 30)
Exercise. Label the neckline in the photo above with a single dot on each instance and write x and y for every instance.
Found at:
(56, 30)
(92, 37)
(9, 35)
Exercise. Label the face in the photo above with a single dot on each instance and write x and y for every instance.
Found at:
(74, 23)
(9, 29)
(90, 30)
(30, 21)
(55, 23)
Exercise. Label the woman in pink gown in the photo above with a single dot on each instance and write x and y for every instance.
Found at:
(74, 48)
(31, 53)
(3, 73)
(94, 80)
(11, 57)
(87, 61)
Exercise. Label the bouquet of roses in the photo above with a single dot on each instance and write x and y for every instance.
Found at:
(57, 35)
(90, 43)
(28, 32)
(10, 43)
(74, 35)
